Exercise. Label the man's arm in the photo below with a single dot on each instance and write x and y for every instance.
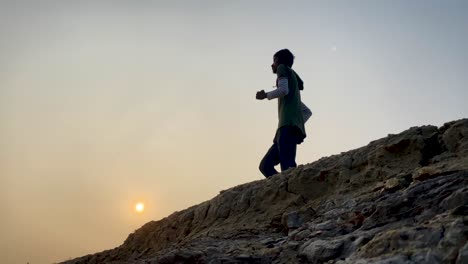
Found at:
(280, 91)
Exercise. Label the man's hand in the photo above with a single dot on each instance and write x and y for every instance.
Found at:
(261, 95)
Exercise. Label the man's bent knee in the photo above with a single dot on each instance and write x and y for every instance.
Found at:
(267, 169)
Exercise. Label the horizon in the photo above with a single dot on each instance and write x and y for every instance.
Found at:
(117, 114)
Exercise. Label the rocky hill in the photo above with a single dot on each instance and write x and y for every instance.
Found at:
(400, 199)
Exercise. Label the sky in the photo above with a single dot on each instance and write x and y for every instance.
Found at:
(104, 104)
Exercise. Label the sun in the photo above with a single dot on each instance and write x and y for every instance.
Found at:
(139, 207)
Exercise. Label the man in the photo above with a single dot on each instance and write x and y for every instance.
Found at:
(292, 114)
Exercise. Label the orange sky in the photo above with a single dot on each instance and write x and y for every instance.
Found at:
(103, 106)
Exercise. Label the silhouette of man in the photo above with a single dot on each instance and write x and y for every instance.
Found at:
(292, 114)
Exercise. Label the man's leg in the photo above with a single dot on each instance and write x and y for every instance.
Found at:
(287, 143)
(268, 163)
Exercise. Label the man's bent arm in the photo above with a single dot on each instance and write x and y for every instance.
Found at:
(281, 91)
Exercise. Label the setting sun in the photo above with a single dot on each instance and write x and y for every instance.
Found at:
(139, 207)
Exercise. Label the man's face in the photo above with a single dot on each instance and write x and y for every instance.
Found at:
(274, 66)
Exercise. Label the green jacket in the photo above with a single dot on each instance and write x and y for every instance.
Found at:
(289, 106)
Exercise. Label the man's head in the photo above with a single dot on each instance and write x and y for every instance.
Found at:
(283, 56)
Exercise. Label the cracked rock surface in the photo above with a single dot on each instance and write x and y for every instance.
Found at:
(400, 199)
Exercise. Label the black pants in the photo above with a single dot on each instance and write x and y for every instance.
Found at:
(283, 151)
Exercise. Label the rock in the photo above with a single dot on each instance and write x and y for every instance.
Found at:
(425, 173)
(296, 219)
(455, 200)
(302, 235)
(460, 211)
(463, 254)
(378, 186)
(294, 232)
(321, 250)
(392, 184)
(293, 220)
(400, 199)
(454, 135)
(268, 241)
(432, 256)
(327, 225)
(456, 235)
(399, 259)
(401, 240)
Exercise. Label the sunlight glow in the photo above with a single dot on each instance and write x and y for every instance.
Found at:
(139, 207)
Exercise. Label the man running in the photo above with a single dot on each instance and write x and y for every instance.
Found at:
(292, 114)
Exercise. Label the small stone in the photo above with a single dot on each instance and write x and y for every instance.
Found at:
(267, 241)
(322, 250)
(302, 235)
(392, 184)
(293, 232)
(378, 186)
(293, 245)
(243, 256)
(292, 220)
(296, 219)
(424, 173)
(318, 233)
(327, 225)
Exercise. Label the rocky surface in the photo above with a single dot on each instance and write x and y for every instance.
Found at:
(400, 199)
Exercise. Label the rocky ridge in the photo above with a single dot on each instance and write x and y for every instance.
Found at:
(400, 199)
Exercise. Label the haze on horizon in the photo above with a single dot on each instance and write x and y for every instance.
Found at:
(106, 104)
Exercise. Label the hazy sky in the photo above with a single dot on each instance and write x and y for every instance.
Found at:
(109, 103)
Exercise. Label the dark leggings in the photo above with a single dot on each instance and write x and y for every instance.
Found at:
(283, 151)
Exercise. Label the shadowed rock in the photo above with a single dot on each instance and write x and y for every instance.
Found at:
(400, 199)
